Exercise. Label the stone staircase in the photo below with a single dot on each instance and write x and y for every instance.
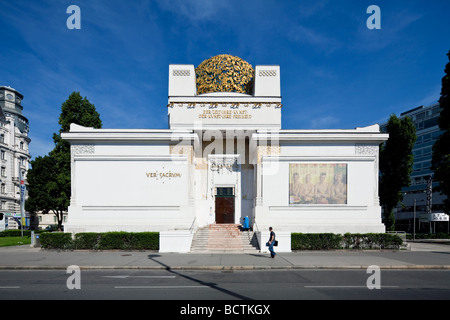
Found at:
(224, 238)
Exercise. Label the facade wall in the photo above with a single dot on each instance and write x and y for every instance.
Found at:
(359, 213)
(124, 185)
(221, 141)
(14, 153)
(120, 186)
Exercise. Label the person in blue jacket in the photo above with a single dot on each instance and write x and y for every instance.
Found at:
(246, 224)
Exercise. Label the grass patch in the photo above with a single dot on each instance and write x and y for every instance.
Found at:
(14, 241)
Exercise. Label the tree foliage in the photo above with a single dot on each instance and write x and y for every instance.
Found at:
(42, 187)
(441, 148)
(49, 182)
(396, 161)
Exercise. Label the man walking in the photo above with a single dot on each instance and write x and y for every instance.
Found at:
(271, 243)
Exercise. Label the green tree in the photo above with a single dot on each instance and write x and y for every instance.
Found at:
(39, 177)
(49, 187)
(441, 148)
(396, 162)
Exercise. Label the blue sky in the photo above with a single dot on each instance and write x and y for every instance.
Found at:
(335, 72)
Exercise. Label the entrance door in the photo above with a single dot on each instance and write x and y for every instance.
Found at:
(224, 205)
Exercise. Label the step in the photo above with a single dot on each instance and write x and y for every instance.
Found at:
(224, 238)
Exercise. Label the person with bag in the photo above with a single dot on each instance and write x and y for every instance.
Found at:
(272, 242)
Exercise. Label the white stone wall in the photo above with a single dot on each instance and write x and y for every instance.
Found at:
(134, 180)
(361, 213)
(128, 181)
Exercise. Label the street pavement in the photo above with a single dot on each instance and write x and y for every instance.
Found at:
(418, 255)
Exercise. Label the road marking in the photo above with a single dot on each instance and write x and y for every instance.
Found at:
(10, 287)
(158, 287)
(383, 287)
(150, 277)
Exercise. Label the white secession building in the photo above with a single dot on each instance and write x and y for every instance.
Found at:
(223, 158)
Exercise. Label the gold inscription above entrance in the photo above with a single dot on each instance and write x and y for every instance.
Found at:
(225, 114)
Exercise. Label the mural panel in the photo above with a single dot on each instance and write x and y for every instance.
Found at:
(317, 183)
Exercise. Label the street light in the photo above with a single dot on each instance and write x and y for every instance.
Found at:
(22, 200)
(414, 220)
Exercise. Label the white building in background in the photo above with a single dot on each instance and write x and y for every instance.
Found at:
(14, 156)
(224, 157)
(414, 204)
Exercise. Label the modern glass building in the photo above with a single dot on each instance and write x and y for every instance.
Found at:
(426, 120)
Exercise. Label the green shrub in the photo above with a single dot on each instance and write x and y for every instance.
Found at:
(56, 240)
(390, 241)
(439, 235)
(15, 233)
(101, 241)
(114, 240)
(355, 241)
(86, 240)
(129, 241)
(315, 241)
(146, 241)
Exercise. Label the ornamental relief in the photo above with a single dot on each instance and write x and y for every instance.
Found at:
(180, 149)
(224, 73)
(371, 150)
(232, 105)
(82, 149)
(181, 73)
(366, 149)
(218, 164)
(268, 151)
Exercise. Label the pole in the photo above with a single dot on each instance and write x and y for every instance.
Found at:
(22, 200)
(414, 224)
(429, 199)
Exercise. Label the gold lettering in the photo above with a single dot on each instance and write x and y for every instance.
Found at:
(162, 175)
(225, 114)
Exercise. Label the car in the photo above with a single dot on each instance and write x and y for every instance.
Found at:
(53, 227)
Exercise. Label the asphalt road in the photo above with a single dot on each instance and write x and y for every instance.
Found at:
(259, 285)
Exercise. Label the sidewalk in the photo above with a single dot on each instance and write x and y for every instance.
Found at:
(421, 255)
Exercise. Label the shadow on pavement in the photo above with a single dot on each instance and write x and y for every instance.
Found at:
(208, 284)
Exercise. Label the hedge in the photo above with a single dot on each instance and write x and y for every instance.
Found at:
(15, 233)
(419, 236)
(101, 241)
(150, 241)
(129, 241)
(315, 241)
(55, 240)
(330, 241)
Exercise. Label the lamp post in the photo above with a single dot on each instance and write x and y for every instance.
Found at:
(414, 216)
(22, 200)
(414, 221)
(429, 192)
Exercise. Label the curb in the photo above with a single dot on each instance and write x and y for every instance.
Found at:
(232, 268)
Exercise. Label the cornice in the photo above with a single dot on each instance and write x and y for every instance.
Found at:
(138, 135)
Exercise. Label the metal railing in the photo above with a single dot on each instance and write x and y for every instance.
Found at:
(192, 225)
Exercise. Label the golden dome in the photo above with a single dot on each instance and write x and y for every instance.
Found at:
(224, 73)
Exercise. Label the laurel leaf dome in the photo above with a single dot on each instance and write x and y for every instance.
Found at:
(224, 73)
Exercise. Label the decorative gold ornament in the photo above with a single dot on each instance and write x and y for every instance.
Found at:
(224, 73)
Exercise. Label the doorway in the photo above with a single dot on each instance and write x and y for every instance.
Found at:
(225, 205)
